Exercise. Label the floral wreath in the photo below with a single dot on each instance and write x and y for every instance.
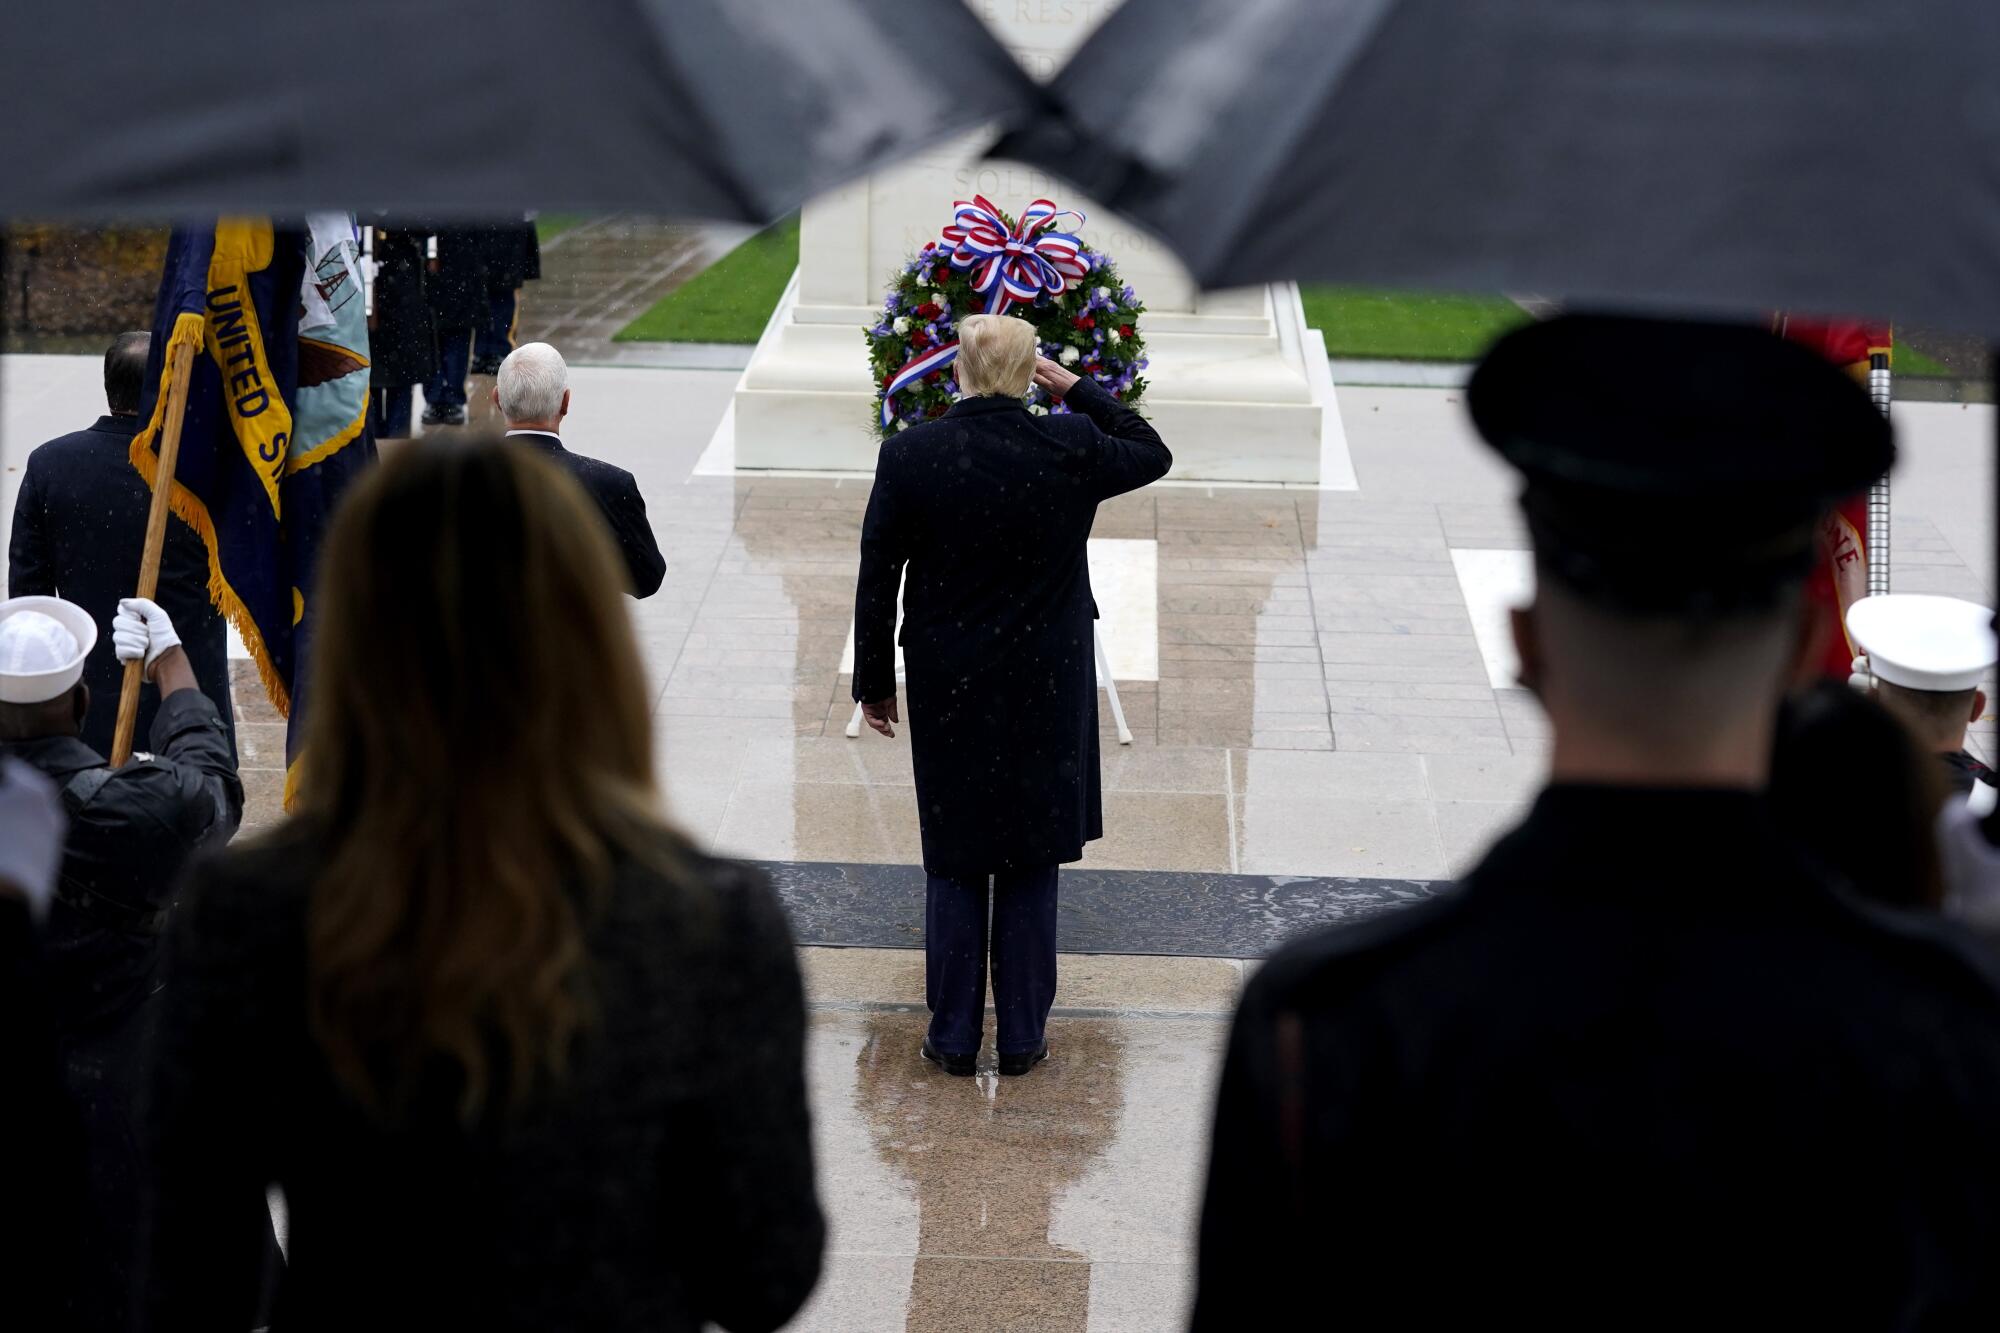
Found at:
(1085, 317)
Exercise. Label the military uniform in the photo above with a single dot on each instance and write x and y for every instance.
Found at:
(131, 832)
(1648, 1066)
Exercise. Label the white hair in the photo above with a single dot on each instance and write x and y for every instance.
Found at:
(531, 383)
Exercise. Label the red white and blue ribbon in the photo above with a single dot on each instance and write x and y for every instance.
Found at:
(1016, 265)
(1007, 266)
(937, 358)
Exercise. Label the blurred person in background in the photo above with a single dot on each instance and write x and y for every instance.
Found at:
(1648, 1066)
(1923, 657)
(1851, 784)
(988, 509)
(402, 334)
(456, 287)
(130, 832)
(531, 392)
(519, 1056)
(513, 258)
(79, 533)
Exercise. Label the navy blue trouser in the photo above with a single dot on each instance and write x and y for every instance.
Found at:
(447, 387)
(390, 412)
(1024, 959)
(496, 339)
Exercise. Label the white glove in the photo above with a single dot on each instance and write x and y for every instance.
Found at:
(141, 629)
(1860, 676)
(31, 834)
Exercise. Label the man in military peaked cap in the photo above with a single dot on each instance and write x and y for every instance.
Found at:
(1646, 1067)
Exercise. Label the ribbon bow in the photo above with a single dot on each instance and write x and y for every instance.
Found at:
(1007, 266)
(1017, 265)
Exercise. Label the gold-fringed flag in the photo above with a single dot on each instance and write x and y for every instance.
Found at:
(276, 421)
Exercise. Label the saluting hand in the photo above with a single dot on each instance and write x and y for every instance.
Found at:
(882, 715)
(1055, 381)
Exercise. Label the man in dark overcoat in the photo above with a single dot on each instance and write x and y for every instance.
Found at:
(1651, 1065)
(513, 258)
(456, 288)
(402, 333)
(982, 516)
(79, 533)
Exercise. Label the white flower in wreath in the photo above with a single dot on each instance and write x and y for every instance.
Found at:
(1070, 356)
(1114, 337)
(1039, 410)
(1104, 293)
(901, 326)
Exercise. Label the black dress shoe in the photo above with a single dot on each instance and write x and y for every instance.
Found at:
(1014, 1065)
(444, 416)
(486, 365)
(958, 1066)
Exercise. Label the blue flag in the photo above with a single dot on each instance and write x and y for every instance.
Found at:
(275, 427)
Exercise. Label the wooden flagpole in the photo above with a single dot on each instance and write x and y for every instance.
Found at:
(180, 362)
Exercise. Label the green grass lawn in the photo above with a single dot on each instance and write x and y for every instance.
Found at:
(1907, 360)
(1407, 326)
(731, 300)
(548, 226)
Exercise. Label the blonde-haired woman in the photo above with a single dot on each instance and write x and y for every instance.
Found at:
(518, 1055)
(982, 516)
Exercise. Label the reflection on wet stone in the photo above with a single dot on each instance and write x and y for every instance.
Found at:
(988, 1159)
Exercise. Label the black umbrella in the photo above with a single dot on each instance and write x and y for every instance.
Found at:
(1835, 156)
(1828, 155)
(733, 109)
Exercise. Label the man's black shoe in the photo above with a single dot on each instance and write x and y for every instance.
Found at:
(958, 1066)
(444, 416)
(486, 365)
(1014, 1065)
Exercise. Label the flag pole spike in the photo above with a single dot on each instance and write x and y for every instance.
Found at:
(179, 365)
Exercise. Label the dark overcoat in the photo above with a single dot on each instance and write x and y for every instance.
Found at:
(79, 531)
(456, 287)
(988, 509)
(616, 492)
(1618, 1079)
(402, 339)
(513, 256)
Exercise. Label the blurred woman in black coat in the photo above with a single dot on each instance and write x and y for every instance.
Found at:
(519, 1056)
(988, 508)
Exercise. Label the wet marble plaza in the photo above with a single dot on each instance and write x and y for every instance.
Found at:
(1315, 696)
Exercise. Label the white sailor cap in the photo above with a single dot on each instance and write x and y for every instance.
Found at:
(43, 642)
(1924, 643)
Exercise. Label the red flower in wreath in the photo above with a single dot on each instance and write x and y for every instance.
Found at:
(919, 340)
(934, 377)
(943, 275)
(1124, 330)
(1084, 322)
(930, 310)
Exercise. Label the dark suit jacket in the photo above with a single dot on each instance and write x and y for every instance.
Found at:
(990, 508)
(669, 1181)
(617, 494)
(79, 530)
(1647, 1068)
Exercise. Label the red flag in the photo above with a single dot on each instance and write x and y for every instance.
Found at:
(1840, 578)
